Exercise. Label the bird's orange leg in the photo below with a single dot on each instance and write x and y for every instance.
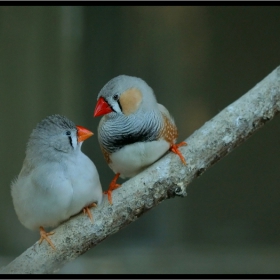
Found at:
(44, 235)
(87, 211)
(175, 149)
(113, 185)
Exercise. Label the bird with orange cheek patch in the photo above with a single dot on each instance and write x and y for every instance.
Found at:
(135, 130)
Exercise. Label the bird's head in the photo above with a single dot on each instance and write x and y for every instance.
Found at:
(124, 95)
(54, 135)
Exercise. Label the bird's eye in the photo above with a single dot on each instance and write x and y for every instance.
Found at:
(68, 133)
(115, 97)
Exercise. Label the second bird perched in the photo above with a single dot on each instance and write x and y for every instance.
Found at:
(135, 130)
(57, 179)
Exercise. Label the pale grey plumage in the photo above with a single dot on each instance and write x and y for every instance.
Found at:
(131, 142)
(50, 135)
(117, 129)
(57, 179)
(120, 84)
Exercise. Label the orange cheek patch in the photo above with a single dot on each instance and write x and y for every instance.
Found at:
(130, 100)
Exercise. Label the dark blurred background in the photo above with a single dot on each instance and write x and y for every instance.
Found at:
(198, 60)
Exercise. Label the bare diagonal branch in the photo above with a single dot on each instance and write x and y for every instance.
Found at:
(166, 178)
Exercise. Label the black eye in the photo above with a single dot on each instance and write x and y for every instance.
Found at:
(115, 97)
(68, 133)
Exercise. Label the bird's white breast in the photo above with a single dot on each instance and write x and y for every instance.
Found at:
(85, 183)
(133, 158)
(43, 197)
(52, 192)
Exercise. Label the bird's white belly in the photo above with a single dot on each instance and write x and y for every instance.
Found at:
(132, 159)
(49, 198)
(85, 183)
(42, 199)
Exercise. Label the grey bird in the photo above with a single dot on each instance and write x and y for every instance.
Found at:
(135, 130)
(57, 179)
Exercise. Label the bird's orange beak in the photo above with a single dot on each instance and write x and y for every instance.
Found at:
(102, 108)
(83, 133)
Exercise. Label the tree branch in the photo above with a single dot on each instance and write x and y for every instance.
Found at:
(165, 179)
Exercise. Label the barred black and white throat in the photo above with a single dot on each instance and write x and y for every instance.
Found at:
(119, 130)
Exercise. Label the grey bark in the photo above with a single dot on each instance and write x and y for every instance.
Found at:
(167, 178)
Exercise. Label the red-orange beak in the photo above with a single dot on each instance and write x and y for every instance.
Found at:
(102, 108)
(83, 133)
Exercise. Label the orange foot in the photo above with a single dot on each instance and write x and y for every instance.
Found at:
(113, 185)
(175, 149)
(44, 235)
(88, 212)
